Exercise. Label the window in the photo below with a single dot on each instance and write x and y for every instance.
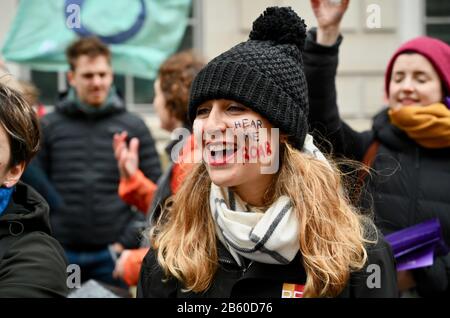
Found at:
(438, 19)
(47, 83)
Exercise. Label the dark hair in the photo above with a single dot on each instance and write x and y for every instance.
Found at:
(90, 46)
(21, 124)
(176, 75)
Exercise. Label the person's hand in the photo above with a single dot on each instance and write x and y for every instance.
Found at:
(329, 15)
(405, 280)
(118, 248)
(119, 270)
(127, 157)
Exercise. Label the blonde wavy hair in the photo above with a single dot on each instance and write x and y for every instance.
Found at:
(333, 234)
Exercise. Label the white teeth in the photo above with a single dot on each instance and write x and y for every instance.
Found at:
(221, 147)
(217, 148)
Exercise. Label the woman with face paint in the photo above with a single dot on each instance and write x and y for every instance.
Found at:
(409, 144)
(242, 225)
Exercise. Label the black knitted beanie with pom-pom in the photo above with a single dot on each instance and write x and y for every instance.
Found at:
(265, 73)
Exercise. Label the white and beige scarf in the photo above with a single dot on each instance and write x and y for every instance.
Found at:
(267, 237)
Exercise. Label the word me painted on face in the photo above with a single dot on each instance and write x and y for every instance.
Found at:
(254, 124)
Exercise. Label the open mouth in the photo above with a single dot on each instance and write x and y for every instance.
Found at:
(220, 153)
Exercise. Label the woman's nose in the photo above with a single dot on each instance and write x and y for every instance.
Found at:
(215, 121)
(407, 85)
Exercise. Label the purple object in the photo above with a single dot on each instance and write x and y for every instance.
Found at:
(447, 101)
(416, 246)
(421, 258)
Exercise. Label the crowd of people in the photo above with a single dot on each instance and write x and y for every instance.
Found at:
(83, 184)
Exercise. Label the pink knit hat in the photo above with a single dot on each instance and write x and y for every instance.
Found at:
(436, 51)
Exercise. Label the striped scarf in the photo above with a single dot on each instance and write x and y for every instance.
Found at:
(266, 237)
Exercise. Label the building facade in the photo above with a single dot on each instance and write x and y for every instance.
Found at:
(372, 30)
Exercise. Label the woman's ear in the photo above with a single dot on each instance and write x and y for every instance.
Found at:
(13, 175)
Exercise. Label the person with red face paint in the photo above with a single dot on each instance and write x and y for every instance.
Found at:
(240, 227)
(409, 143)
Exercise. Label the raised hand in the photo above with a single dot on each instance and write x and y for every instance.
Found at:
(127, 157)
(329, 15)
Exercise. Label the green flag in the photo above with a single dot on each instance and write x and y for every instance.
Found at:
(141, 33)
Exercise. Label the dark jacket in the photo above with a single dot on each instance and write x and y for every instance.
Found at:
(77, 155)
(410, 183)
(266, 280)
(32, 263)
(35, 177)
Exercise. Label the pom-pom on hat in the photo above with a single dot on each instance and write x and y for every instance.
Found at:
(265, 73)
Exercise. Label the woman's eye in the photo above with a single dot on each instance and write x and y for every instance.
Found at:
(398, 78)
(202, 111)
(422, 79)
(236, 108)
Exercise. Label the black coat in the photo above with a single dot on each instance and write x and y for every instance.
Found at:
(32, 263)
(78, 158)
(411, 183)
(266, 280)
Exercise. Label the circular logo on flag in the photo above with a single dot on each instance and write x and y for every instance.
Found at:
(117, 38)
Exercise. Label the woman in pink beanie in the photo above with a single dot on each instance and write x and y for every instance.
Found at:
(408, 146)
(431, 51)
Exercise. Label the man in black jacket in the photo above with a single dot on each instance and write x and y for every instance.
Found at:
(32, 263)
(93, 223)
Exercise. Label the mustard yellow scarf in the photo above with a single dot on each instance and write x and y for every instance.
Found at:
(429, 126)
